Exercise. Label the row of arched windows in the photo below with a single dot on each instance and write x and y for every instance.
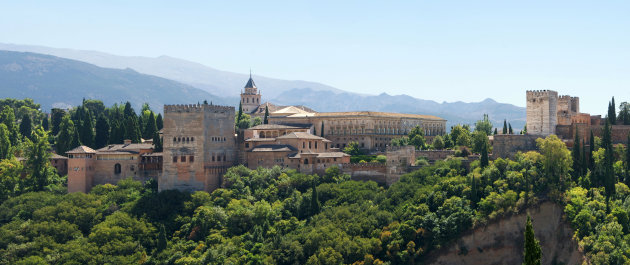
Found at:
(218, 139)
(183, 139)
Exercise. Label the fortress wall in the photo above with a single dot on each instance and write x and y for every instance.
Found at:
(506, 145)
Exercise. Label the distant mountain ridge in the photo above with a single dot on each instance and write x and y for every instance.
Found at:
(288, 92)
(57, 82)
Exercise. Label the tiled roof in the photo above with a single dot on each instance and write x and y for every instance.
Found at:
(260, 140)
(81, 149)
(56, 156)
(275, 127)
(125, 147)
(250, 83)
(301, 135)
(273, 148)
(321, 155)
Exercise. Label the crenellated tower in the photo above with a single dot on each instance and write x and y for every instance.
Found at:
(542, 112)
(250, 98)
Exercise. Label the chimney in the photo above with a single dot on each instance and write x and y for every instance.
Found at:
(127, 142)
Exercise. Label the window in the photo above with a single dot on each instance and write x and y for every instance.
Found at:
(303, 145)
(132, 168)
(192, 139)
(309, 145)
(174, 159)
(174, 139)
(246, 145)
(305, 161)
(315, 145)
(183, 159)
(191, 159)
(117, 169)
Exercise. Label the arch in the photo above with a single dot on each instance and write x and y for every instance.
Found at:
(117, 168)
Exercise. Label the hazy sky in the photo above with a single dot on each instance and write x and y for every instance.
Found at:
(438, 50)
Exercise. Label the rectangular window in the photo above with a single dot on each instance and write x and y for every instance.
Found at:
(183, 159)
(191, 159)
(174, 159)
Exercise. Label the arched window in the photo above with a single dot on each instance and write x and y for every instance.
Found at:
(174, 139)
(117, 169)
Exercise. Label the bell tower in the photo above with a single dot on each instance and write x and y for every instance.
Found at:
(250, 98)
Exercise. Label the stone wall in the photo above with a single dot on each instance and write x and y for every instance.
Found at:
(501, 242)
(542, 112)
(506, 145)
(376, 172)
(433, 155)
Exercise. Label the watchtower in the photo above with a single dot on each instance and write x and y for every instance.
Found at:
(250, 99)
(199, 146)
(542, 115)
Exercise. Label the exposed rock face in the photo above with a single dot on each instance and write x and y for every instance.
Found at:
(501, 242)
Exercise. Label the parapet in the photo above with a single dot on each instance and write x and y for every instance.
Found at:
(531, 94)
(197, 108)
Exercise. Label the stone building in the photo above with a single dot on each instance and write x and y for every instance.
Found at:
(250, 99)
(88, 167)
(199, 146)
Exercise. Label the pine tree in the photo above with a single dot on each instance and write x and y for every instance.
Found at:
(577, 157)
(159, 123)
(162, 241)
(38, 161)
(26, 126)
(533, 253)
(505, 128)
(484, 156)
(510, 131)
(322, 130)
(45, 124)
(314, 200)
(102, 132)
(266, 121)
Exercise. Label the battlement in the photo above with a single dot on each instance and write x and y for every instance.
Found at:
(531, 94)
(197, 108)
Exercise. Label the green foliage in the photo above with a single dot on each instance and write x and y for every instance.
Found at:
(532, 254)
(416, 138)
(66, 138)
(26, 126)
(438, 143)
(484, 125)
(266, 121)
(5, 142)
(353, 149)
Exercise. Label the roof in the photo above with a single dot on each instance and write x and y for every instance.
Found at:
(56, 156)
(321, 155)
(125, 147)
(332, 154)
(292, 110)
(116, 153)
(273, 109)
(301, 135)
(276, 127)
(152, 154)
(371, 114)
(250, 83)
(81, 149)
(260, 140)
(273, 148)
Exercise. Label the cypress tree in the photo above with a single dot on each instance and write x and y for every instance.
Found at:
(45, 124)
(484, 156)
(628, 160)
(591, 161)
(585, 165)
(314, 200)
(128, 111)
(117, 134)
(473, 190)
(7, 117)
(157, 142)
(266, 121)
(5, 142)
(162, 241)
(612, 113)
(240, 112)
(159, 123)
(102, 132)
(66, 133)
(505, 128)
(510, 131)
(26, 126)
(577, 157)
(56, 117)
(76, 139)
(150, 127)
(87, 128)
(609, 173)
(533, 253)
(132, 130)
(322, 130)
(495, 131)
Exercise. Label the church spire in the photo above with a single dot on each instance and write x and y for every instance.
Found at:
(250, 82)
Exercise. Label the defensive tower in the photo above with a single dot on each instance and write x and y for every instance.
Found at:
(542, 112)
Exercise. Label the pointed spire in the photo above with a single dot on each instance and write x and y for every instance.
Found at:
(250, 82)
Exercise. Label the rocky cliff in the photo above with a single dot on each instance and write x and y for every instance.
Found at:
(501, 242)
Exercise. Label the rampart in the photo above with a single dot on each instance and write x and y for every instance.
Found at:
(506, 145)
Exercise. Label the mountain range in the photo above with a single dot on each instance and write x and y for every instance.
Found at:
(90, 74)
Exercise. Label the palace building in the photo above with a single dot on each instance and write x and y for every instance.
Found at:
(200, 143)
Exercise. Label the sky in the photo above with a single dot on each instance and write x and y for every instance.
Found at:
(437, 50)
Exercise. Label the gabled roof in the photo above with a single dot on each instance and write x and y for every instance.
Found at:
(81, 150)
(56, 156)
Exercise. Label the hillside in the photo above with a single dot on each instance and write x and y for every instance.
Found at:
(59, 82)
(288, 92)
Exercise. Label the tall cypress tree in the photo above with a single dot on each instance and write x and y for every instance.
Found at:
(56, 116)
(266, 121)
(495, 131)
(628, 160)
(45, 124)
(322, 130)
(87, 128)
(505, 128)
(159, 123)
(162, 241)
(609, 173)
(5, 142)
(157, 142)
(612, 113)
(591, 161)
(585, 165)
(484, 156)
(66, 133)
(26, 126)
(314, 200)
(150, 127)
(132, 129)
(102, 132)
(473, 190)
(510, 131)
(240, 112)
(577, 157)
(533, 253)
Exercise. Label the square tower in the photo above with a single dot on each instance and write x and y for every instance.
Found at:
(542, 115)
(250, 99)
(199, 146)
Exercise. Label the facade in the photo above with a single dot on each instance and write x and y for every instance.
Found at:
(199, 146)
(110, 164)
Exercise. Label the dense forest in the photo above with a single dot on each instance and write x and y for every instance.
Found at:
(280, 216)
